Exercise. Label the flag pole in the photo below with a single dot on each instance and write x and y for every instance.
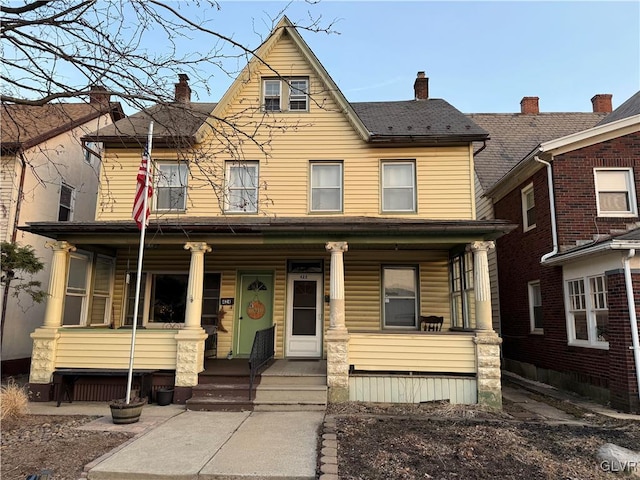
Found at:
(143, 231)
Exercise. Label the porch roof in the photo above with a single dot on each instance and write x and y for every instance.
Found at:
(394, 229)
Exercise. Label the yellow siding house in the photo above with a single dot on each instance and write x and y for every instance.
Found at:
(341, 224)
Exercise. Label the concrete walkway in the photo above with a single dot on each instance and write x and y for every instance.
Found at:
(216, 445)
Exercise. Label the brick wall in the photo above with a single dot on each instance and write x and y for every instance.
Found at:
(575, 188)
(623, 384)
(519, 256)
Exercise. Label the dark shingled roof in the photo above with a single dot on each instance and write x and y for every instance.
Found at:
(412, 118)
(173, 120)
(629, 108)
(514, 135)
(23, 126)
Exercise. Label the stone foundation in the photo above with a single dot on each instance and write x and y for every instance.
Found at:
(488, 361)
(337, 341)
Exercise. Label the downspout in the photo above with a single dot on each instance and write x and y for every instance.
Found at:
(633, 320)
(552, 208)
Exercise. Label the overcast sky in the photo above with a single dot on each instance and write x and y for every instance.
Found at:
(479, 56)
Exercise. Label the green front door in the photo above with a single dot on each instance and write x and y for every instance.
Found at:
(254, 309)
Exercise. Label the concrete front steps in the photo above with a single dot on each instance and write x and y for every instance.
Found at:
(290, 385)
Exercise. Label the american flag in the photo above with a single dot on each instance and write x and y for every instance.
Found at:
(138, 204)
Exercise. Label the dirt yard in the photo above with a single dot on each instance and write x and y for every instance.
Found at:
(374, 442)
(445, 442)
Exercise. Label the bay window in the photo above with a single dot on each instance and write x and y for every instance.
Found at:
(587, 311)
(89, 290)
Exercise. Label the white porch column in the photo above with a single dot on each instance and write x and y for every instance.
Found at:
(193, 313)
(337, 337)
(57, 283)
(481, 284)
(190, 339)
(45, 338)
(486, 340)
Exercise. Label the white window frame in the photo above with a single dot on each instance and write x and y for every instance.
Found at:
(89, 292)
(72, 201)
(583, 301)
(271, 81)
(630, 192)
(416, 297)
(535, 300)
(297, 94)
(162, 181)
(385, 188)
(462, 290)
(526, 194)
(314, 166)
(247, 208)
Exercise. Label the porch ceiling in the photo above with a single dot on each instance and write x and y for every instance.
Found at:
(365, 232)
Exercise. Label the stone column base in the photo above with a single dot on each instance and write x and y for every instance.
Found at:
(488, 361)
(189, 356)
(338, 365)
(43, 356)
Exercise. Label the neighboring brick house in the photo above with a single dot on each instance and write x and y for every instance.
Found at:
(46, 175)
(569, 272)
(512, 136)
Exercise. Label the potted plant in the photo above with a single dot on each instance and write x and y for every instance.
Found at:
(123, 413)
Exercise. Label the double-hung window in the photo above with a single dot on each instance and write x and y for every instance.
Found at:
(89, 290)
(528, 208)
(326, 187)
(66, 204)
(285, 94)
(171, 186)
(535, 306)
(462, 292)
(298, 94)
(400, 296)
(398, 186)
(615, 192)
(272, 95)
(587, 311)
(242, 187)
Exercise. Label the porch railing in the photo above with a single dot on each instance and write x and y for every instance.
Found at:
(261, 352)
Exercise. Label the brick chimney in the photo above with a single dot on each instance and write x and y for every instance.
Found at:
(529, 105)
(183, 91)
(99, 96)
(421, 87)
(602, 103)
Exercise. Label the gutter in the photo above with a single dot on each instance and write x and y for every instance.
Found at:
(552, 208)
(635, 342)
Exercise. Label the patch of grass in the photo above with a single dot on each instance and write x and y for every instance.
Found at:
(14, 401)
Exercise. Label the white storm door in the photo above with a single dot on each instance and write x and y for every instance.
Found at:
(304, 315)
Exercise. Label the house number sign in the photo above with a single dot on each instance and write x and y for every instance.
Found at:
(226, 301)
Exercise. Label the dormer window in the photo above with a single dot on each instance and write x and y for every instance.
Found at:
(286, 94)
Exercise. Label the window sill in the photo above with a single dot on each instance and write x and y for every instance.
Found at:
(583, 344)
(537, 331)
(528, 229)
(617, 215)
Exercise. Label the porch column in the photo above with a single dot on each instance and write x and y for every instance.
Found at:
(481, 284)
(190, 339)
(337, 337)
(45, 338)
(193, 313)
(487, 341)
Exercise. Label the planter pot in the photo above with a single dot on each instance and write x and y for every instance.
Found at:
(164, 396)
(123, 413)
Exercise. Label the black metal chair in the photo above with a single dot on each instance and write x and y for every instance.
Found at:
(431, 323)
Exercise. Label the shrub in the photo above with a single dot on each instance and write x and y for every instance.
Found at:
(13, 401)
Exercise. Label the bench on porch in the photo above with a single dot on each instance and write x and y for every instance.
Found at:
(67, 378)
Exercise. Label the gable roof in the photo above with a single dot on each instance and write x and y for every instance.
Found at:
(514, 135)
(24, 126)
(629, 108)
(432, 121)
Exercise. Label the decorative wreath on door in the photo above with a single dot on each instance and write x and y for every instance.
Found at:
(256, 308)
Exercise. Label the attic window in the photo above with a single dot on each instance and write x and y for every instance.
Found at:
(286, 94)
